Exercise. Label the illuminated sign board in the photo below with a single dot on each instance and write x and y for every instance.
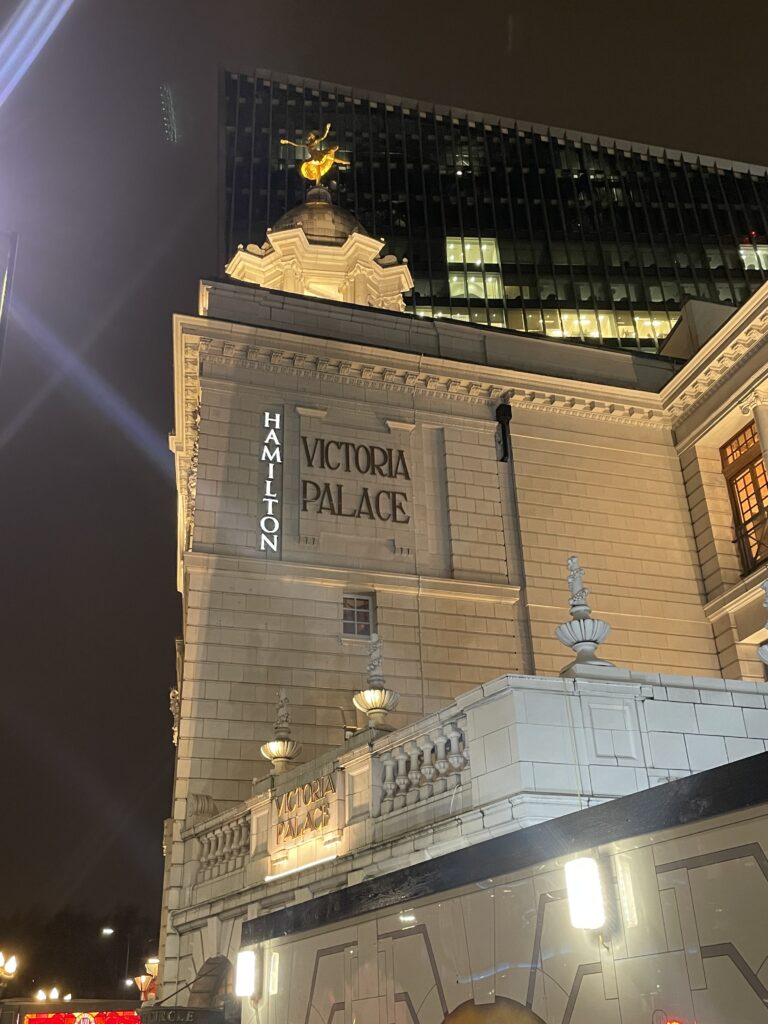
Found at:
(272, 457)
(311, 810)
(87, 1017)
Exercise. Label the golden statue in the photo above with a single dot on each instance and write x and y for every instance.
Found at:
(320, 160)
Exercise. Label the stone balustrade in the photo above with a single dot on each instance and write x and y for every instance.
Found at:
(427, 765)
(224, 844)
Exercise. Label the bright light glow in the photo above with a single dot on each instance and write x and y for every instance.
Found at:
(128, 982)
(407, 918)
(23, 38)
(68, 997)
(54, 993)
(245, 973)
(107, 931)
(40, 995)
(274, 973)
(303, 867)
(11, 965)
(585, 894)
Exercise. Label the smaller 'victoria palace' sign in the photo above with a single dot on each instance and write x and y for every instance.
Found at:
(306, 811)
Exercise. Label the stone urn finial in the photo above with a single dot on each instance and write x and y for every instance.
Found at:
(762, 650)
(582, 634)
(376, 701)
(282, 749)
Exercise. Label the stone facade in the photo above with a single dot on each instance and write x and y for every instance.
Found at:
(327, 451)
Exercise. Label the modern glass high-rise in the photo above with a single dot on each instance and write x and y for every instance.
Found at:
(517, 226)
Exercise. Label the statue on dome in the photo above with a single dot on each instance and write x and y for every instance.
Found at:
(320, 160)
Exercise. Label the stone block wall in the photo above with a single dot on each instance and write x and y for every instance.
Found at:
(614, 494)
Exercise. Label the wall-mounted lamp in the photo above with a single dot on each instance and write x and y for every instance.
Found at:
(585, 893)
(245, 973)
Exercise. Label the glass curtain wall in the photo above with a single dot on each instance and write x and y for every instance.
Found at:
(505, 226)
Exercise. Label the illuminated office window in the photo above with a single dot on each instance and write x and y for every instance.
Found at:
(754, 257)
(744, 471)
(473, 252)
(475, 285)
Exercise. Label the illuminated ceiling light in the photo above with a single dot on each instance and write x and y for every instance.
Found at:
(245, 973)
(40, 995)
(106, 930)
(54, 993)
(10, 966)
(458, 174)
(68, 997)
(585, 894)
(128, 982)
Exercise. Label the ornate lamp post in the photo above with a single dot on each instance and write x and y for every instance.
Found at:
(7, 971)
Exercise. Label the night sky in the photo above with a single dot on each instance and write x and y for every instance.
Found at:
(116, 226)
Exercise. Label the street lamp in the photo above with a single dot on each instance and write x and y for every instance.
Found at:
(41, 995)
(107, 931)
(7, 970)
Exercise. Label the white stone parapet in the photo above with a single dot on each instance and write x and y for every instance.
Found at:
(514, 752)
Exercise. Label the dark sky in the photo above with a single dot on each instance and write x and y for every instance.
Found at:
(116, 226)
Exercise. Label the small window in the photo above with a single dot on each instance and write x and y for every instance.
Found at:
(357, 615)
(744, 471)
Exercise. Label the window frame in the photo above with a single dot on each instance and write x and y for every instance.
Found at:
(355, 620)
(752, 530)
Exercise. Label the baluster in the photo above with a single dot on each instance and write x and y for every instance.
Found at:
(218, 850)
(414, 774)
(455, 756)
(229, 839)
(245, 841)
(441, 763)
(401, 778)
(205, 855)
(428, 770)
(388, 785)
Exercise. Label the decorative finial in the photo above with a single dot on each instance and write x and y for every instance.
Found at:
(376, 701)
(282, 749)
(583, 633)
(320, 160)
(762, 650)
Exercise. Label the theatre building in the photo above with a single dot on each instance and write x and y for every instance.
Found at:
(471, 722)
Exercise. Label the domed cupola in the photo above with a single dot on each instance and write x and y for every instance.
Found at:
(319, 249)
(321, 221)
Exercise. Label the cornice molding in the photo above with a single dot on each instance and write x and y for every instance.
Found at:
(727, 350)
(245, 567)
(557, 398)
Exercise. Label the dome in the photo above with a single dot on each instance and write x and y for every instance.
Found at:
(321, 221)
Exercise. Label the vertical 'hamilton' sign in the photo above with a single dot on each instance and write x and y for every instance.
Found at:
(271, 456)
